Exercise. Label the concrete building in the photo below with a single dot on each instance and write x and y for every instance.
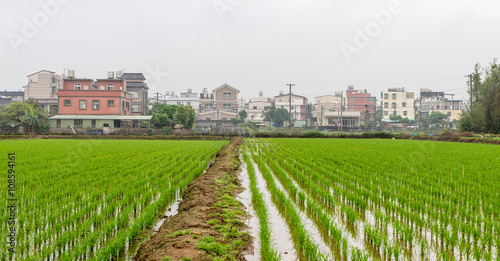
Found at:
(397, 101)
(327, 111)
(8, 97)
(256, 106)
(221, 104)
(430, 101)
(103, 104)
(43, 86)
(137, 87)
(360, 101)
(299, 107)
(188, 98)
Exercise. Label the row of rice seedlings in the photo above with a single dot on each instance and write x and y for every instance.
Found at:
(267, 251)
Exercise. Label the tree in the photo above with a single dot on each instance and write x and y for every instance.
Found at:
(243, 114)
(437, 118)
(33, 118)
(185, 115)
(277, 116)
(15, 110)
(483, 113)
(160, 120)
(164, 108)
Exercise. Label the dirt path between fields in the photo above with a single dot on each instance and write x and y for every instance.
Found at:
(178, 236)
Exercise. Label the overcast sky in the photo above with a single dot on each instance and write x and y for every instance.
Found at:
(254, 45)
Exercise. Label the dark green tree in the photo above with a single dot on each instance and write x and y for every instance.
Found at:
(160, 120)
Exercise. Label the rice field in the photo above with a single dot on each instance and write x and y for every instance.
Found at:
(91, 199)
(377, 199)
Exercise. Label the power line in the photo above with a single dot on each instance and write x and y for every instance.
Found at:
(374, 84)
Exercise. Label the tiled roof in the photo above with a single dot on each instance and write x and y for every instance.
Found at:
(134, 76)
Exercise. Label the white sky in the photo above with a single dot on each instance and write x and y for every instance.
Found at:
(253, 45)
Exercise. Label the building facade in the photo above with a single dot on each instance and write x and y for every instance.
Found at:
(8, 97)
(327, 111)
(188, 98)
(397, 101)
(221, 104)
(298, 108)
(43, 86)
(430, 101)
(256, 106)
(137, 87)
(360, 101)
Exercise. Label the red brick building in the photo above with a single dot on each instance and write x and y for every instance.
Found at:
(360, 101)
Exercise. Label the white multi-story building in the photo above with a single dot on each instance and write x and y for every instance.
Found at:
(299, 107)
(397, 101)
(188, 98)
(43, 86)
(256, 106)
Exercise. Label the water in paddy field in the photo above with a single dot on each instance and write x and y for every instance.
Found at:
(131, 250)
(279, 229)
(245, 198)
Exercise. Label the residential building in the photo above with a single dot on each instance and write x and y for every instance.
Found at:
(397, 101)
(327, 111)
(103, 104)
(221, 104)
(137, 87)
(360, 101)
(430, 101)
(8, 97)
(188, 98)
(43, 87)
(299, 107)
(256, 107)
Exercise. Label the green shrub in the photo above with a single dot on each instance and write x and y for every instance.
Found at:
(167, 130)
(314, 134)
(149, 131)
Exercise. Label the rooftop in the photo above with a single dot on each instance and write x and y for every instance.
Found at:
(134, 76)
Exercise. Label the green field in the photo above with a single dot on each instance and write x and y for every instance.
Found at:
(380, 199)
(88, 199)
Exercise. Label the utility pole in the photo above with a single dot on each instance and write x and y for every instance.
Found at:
(157, 101)
(290, 109)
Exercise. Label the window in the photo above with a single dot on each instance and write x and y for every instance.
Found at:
(227, 106)
(209, 106)
(371, 99)
(405, 113)
(135, 108)
(95, 105)
(128, 106)
(386, 105)
(102, 88)
(111, 103)
(404, 104)
(78, 122)
(394, 113)
(78, 86)
(110, 86)
(85, 87)
(67, 102)
(105, 125)
(94, 123)
(58, 123)
(227, 95)
(437, 107)
(255, 107)
(394, 105)
(54, 89)
(351, 99)
(386, 96)
(135, 95)
(188, 103)
(351, 108)
(94, 87)
(393, 96)
(83, 104)
(179, 103)
(386, 113)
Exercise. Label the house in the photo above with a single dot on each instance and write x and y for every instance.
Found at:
(299, 108)
(221, 104)
(256, 106)
(360, 101)
(137, 87)
(188, 98)
(43, 87)
(104, 103)
(8, 97)
(397, 101)
(327, 111)
(430, 101)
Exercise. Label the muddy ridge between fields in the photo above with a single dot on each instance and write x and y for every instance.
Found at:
(198, 202)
